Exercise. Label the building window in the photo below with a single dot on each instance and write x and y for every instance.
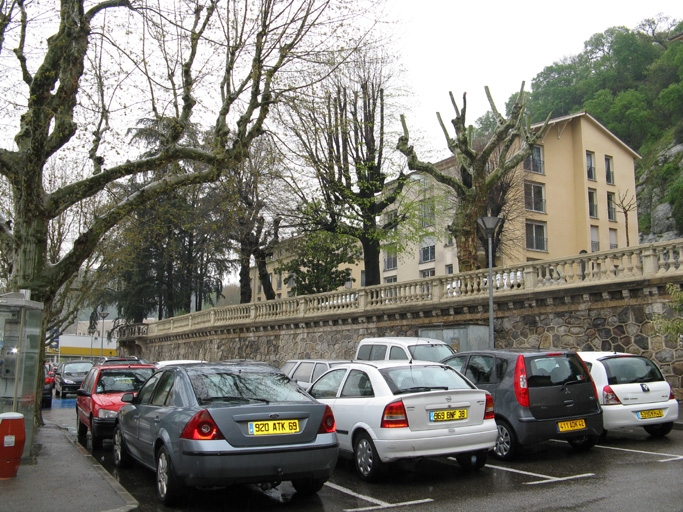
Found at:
(290, 281)
(362, 277)
(424, 274)
(611, 208)
(427, 250)
(391, 218)
(449, 269)
(390, 258)
(609, 170)
(613, 239)
(590, 165)
(535, 236)
(592, 203)
(534, 163)
(595, 239)
(534, 197)
(427, 213)
(389, 280)
(279, 281)
(449, 239)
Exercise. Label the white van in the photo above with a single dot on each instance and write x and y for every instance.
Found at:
(403, 348)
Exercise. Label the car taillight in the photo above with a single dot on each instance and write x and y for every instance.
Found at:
(609, 397)
(521, 388)
(328, 424)
(488, 413)
(201, 427)
(394, 415)
(671, 393)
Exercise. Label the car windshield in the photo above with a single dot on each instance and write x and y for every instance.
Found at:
(430, 352)
(627, 370)
(416, 378)
(77, 367)
(240, 387)
(122, 381)
(554, 370)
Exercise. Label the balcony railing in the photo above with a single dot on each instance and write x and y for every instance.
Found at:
(611, 213)
(534, 165)
(534, 204)
(537, 243)
(609, 177)
(661, 260)
(593, 210)
(591, 172)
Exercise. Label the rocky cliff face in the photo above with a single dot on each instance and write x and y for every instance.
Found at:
(655, 214)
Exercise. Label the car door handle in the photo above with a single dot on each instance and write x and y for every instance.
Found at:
(569, 403)
(156, 419)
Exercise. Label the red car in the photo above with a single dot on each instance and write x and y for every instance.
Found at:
(99, 397)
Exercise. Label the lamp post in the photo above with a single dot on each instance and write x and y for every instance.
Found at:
(488, 226)
(91, 332)
(104, 315)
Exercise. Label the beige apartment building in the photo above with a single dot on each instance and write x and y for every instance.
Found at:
(568, 202)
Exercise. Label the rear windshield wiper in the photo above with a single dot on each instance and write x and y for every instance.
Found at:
(567, 382)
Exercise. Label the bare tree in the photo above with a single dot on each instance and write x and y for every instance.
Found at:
(71, 95)
(626, 204)
(482, 175)
(340, 134)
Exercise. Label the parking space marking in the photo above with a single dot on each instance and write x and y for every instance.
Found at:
(378, 504)
(545, 479)
(670, 456)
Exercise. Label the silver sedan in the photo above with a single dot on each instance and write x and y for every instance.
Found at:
(218, 424)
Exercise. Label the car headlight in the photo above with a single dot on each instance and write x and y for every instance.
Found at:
(67, 381)
(105, 413)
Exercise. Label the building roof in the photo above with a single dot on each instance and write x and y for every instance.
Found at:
(569, 118)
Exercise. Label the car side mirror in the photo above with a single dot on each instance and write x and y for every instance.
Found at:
(128, 397)
(82, 392)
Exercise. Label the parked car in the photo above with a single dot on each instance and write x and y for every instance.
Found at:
(402, 348)
(120, 359)
(388, 411)
(305, 371)
(169, 362)
(47, 388)
(69, 376)
(632, 392)
(99, 397)
(218, 424)
(538, 396)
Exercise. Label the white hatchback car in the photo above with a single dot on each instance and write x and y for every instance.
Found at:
(387, 411)
(632, 392)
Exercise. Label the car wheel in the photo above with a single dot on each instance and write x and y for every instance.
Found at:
(122, 458)
(473, 460)
(82, 428)
(168, 487)
(97, 440)
(368, 464)
(506, 442)
(308, 486)
(583, 443)
(659, 430)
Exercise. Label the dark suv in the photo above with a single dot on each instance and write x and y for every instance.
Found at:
(69, 376)
(537, 396)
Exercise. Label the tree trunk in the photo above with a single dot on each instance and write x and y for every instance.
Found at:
(266, 283)
(371, 256)
(245, 278)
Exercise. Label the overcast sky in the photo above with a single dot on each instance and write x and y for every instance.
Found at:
(458, 46)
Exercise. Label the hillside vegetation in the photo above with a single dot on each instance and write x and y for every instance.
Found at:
(631, 80)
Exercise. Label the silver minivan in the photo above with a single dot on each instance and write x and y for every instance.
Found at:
(402, 348)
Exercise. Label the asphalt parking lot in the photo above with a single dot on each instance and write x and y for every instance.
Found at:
(628, 471)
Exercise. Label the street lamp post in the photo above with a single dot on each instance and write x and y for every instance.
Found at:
(488, 226)
(104, 315)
